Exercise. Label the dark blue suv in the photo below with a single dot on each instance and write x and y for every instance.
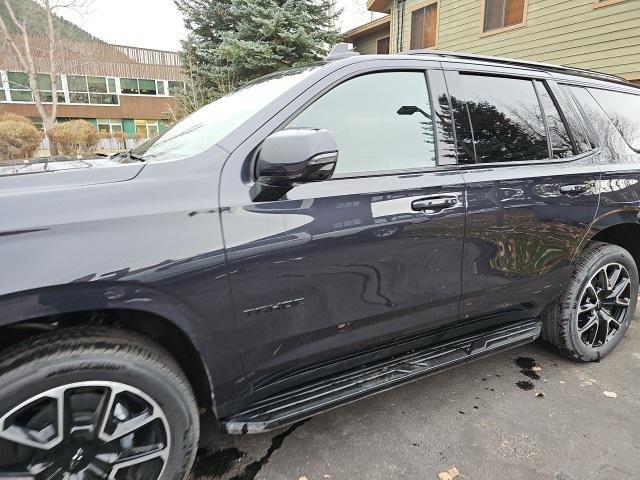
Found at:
(320, 235)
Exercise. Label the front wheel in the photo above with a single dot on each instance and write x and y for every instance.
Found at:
(89, 404)
(596, 306)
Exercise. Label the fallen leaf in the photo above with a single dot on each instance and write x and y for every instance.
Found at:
(303, 478)
(610, 394)
(540, 394)
(536, 369)
(450, 474)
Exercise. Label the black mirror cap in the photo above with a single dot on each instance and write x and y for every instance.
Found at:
(297, 155)
(291, 156)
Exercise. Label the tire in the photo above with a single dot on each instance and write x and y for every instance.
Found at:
(583, 303)
(107, 382)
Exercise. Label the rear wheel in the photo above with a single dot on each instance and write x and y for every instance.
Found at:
(94, 404)
(597, 304)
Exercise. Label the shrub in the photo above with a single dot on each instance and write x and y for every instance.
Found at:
(18, 139)
(8, 116)
(76, 137)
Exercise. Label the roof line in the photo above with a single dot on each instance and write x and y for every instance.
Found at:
(525, 63)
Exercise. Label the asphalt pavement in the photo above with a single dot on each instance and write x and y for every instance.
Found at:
(527, 413)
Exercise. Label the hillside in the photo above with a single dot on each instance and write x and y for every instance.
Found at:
(37, 21)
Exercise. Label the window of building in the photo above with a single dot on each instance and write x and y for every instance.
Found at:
(562, 145)
(147, 128)
(176, 86)
(424, 27)
(108, 125)
(44, 85)
(139, 86)
(500, 120)
(19, 89)
(393, 133)
(382, 46)
(499, 14)
(623, 109)
(93, 90)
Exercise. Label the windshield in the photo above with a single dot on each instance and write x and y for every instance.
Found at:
(211, 123)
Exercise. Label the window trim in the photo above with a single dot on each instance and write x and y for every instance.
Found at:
(606, 3)
(418, 6)
(522, 24)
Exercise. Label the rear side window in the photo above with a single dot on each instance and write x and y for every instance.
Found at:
(506, 123)
(562, 145)
(609, 137)
(381, 121)
(623, 109)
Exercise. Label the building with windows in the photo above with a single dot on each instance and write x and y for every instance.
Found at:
(116, 88)
(595, 34)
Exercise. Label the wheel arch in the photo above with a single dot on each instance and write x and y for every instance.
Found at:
(621, 228)
(135, 308)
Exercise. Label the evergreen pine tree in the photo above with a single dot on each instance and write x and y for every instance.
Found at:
(231, 42)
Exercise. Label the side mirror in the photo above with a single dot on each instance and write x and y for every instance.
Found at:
(290, 157)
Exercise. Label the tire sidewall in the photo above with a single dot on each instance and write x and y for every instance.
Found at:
(36, 377)
(615, 255)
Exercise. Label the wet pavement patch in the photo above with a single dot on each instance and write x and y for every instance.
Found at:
(217, 463)
(526, 365)
(525, 385)
(251, 470)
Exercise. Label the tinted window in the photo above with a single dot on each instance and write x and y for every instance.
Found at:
(581, 138)
(561, 142)
(624, 111)
(506, 120)
(380, 122)
(609, 136)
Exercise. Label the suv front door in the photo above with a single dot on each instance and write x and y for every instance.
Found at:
(360, 261)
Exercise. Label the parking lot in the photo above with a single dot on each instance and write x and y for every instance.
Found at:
(527, 413)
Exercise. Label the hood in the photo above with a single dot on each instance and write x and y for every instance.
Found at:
(54, 172)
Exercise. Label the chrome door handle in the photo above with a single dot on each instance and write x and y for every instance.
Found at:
(574, 189)
(433, 204)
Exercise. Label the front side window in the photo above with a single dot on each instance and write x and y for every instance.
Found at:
(424, 24)
(380, 121)
(498, 120)
(623, 109)
(499, 14)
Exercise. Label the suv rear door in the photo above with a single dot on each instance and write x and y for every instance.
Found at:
(531, 186)
(357, 262)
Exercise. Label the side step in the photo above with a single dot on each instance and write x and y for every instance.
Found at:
(302, 402)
